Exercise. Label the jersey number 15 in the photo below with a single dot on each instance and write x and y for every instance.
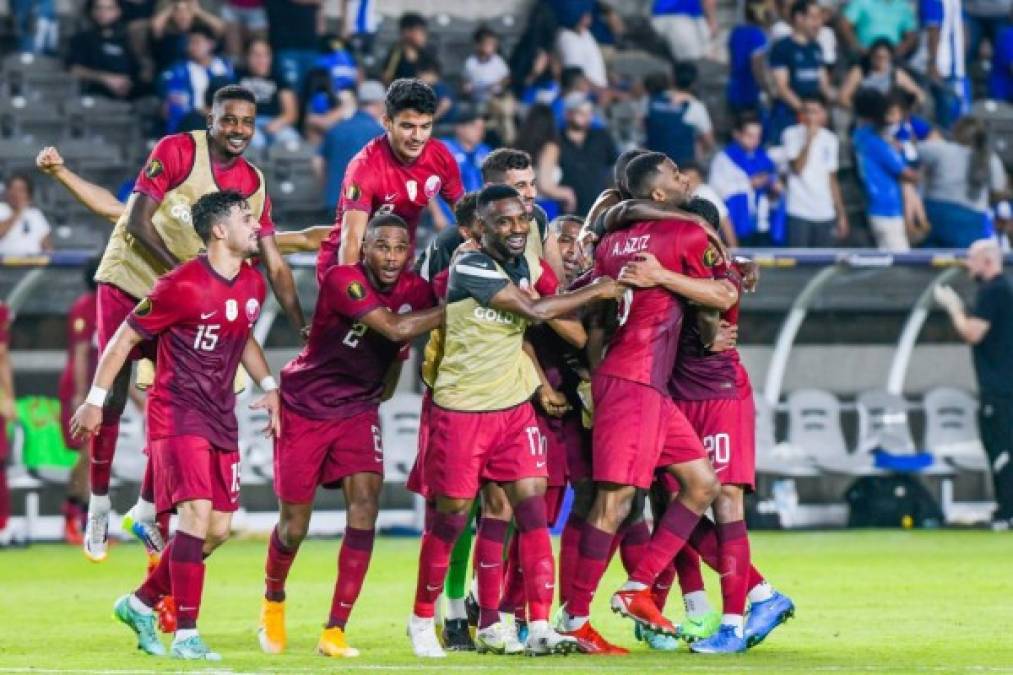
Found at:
(207, 337)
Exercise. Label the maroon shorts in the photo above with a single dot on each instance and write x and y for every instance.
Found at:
(554, 496)
(113, 306)
(554, 441)
(578, 448)
(66, 412)
(467, 448)
(728, 430)
(416, 478)
(636, 430)
(313, 452)
(189, 467)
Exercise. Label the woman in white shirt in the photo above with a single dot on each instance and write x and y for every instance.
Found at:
(23, 229)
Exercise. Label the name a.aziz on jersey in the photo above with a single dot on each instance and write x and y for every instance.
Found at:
(631, 246)
(495, 315)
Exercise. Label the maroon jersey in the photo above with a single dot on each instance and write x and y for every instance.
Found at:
(5, 340)
(701, 375)
(81, 326)
(644, 346)
(377, 182)
(204, 321)
(340, 372)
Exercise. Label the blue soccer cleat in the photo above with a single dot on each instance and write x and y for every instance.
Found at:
(656, 641)
(142, 624)
(725, 641)
(766, 616)
(193, 649)
(144, 531)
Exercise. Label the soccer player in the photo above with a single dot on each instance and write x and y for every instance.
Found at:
(205, 310)
(637, 428)
(153, 236)
(82, 357)
(713, 391)
(397, 172)
(330, 437)
(482, 427)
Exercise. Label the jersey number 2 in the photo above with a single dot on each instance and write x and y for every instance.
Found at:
(352, 337)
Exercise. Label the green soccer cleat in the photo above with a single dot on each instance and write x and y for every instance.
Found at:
(656, 641)
(193, 649)
(142, 624)
(700, 628)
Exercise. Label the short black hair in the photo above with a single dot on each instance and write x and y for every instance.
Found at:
(482, 33)
(465, 208)
(619, 170)
(641, 171)
(706, 209)
(410, 94)
(556, 225)
(90, 270)
(495, 192)
(657, 82)
(501, 160)
(902, 98)
(569, 76)
(744, 119)
(211, 209)
(386, 220)
(202, 29)
(233, 92)
(685, 75)
(24, 178)
(870, 104)
(800, 7)
(411, 20)
(814, 97)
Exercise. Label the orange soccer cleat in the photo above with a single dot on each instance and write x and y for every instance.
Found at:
(271, 632)
(639, 606)
(591, 642)
(333, 643)
(166, 611)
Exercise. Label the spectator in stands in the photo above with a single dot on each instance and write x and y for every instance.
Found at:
(277, 106)
(988, 328)
(866, 21)
(100, 56)
(686, 25)
(608, 28)
(469, 151)
(816, 213)
(23, 228)
(403, 57)
(322, 107)
(35, 26)
(904, 131)
(877, 70)
(912, 128)
(797, 65)
(1002, 220)
(540, 85)
(699, 188)
(244, 20)
(677, 123)
(825, 36)
(747, 49)
(576, 46)
(961, 177)
(539, 137)
(345, 139)
(294, 28)
(941, 58)
(429, 71)
(1000, 76)
(745, 177)
(170, 31)
(359, 20)
(337, 60)
(571, 79)
(985, 20)
(586, 154)
(485, 72)
(8, 413)
(881, 168)
(183, 86)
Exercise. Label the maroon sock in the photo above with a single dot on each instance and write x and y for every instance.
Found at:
(536, 556)
(488, 566)
(279, 562)
(162, 523)
(103, 446)
(428, 516)
(148, 483)
(569, 552)
(687, 567)
(186, 566)
(704, 541)
(635, 539)
(513, 580)
(434, 558)
(734, 567)
(353, 561)
(663, 584)
(159, 580)
(669, 536)
(595, 547)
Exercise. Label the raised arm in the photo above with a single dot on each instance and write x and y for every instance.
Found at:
(353, 228)
(402, 327)
(302, 241)
(95, 198)
(646, 272)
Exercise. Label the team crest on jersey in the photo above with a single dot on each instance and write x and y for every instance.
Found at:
(356, 291)
(153, 169)
(433, 185)
(252, 309)
(143, 307)
(352, 192)
(231, 309)
(711, 256)
(413, 190)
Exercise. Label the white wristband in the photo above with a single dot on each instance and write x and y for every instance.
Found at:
(97, 396)
(268, 384)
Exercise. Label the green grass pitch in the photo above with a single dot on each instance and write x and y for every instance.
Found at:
(877, 601)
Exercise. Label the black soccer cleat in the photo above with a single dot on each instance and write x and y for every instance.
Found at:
(471, 607)
(457, 637)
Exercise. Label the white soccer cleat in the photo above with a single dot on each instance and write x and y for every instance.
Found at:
(498, 638)
(422, 633)
(96, 536)
(543, 641)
